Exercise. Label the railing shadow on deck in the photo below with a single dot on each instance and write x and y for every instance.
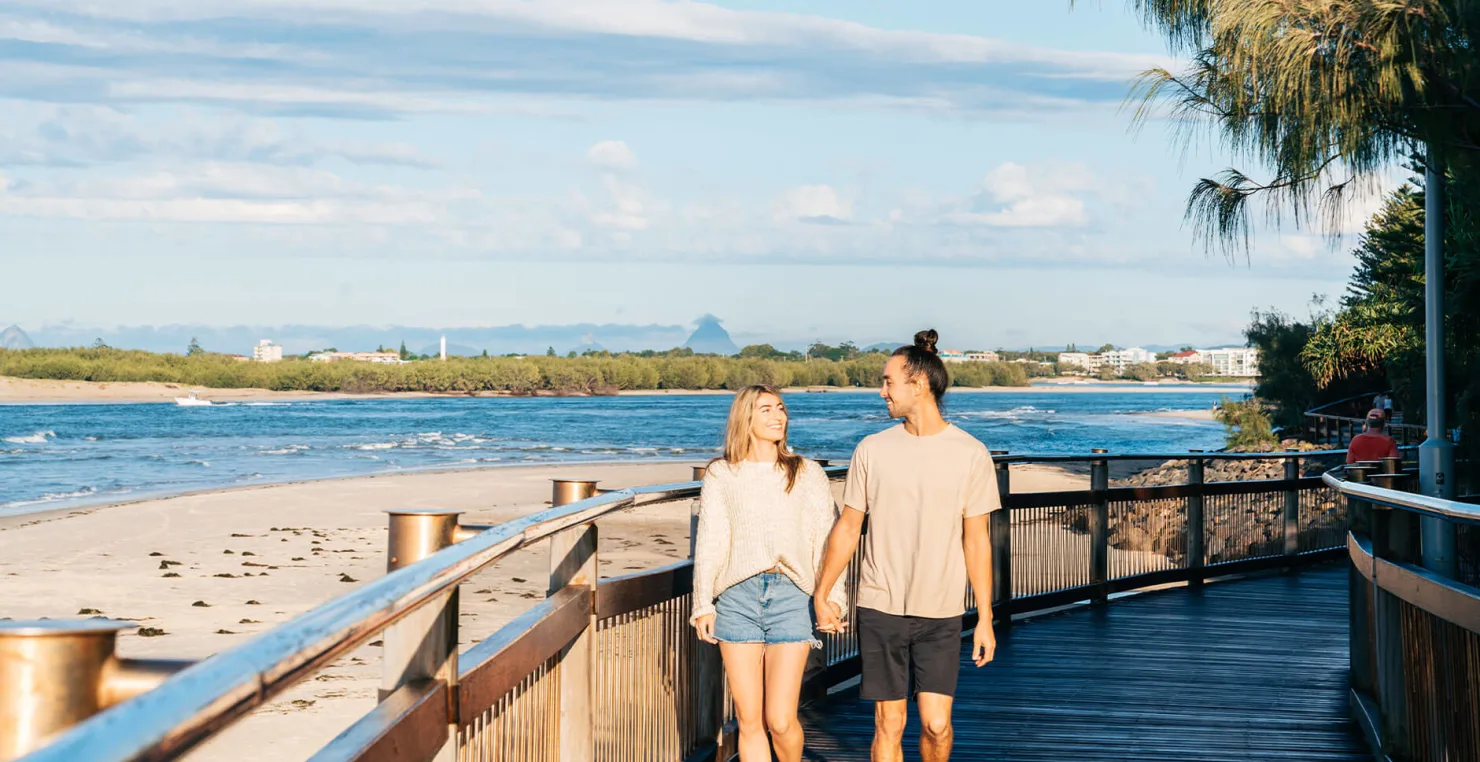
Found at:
(608, 669)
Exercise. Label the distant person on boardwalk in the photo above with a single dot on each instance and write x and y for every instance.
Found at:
(1374, 443)
(927, 488)
(764, 518)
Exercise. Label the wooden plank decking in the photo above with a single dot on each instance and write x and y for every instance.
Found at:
(1248, 670)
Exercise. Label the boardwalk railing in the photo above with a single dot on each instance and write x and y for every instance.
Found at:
(1335, 423)
(1415, 632)
(608, 669)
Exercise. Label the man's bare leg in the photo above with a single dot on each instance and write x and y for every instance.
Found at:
(936, 733)
(889, 719)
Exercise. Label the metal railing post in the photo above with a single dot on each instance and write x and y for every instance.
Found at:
(1001, 528)
(56, 673)
(567, 491)
(1196, 529)
(573, 563)
(709, 673)
(423, 644)
(1292, 507)
(1099, 528)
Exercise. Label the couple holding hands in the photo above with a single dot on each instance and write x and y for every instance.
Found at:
(771, 550)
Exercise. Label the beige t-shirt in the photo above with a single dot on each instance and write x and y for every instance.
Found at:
(916, 490)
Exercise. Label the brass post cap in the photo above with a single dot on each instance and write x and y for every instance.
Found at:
(40, 628)
(423, 512)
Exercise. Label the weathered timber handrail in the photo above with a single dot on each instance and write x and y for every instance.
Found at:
(168, 721)
(544, 661)
(1415, 632)
(1409, 501)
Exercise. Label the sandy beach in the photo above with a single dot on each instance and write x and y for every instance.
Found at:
(212, 569)
(41, 391)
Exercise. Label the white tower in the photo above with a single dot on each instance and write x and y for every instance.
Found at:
(444, 348)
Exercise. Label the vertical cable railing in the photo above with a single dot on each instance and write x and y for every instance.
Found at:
(1050, 549)
(520, 725)
(1147, 536)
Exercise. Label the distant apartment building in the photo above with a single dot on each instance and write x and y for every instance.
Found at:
(1121, 359)
(952, 355)
(266, 351)
(1242, 362)
(391, 358)
(1079, 360)
(1186, 358)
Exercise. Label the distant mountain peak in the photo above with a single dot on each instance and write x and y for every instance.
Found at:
(710, 338)
(14, 338)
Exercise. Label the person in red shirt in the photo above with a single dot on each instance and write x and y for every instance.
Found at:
(1372, 444)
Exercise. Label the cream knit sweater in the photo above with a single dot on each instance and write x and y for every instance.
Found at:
(749, 523)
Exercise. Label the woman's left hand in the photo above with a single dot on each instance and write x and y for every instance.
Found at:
(829, 616)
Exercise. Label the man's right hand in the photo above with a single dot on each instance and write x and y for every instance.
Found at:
(829, 619)
(704, 626)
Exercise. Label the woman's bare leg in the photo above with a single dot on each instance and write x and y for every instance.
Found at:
(745, 670)
(785, 665)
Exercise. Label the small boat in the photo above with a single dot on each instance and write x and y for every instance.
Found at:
(192, 401)
(1150, 383)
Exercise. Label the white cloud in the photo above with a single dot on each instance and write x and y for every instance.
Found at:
(612, 155)
(1049, 195)
(231, 193)
(665, 19)
(813, 203)
(450, 56)
(628, 209)
(1033, 212)
(1302, 246)
(88, 135)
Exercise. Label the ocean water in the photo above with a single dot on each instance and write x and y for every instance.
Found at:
(56, 456)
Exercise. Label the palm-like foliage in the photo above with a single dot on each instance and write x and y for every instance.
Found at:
(1325, 94)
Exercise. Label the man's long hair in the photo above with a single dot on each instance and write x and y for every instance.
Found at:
(922, 357)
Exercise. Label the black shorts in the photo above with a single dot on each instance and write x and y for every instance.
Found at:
(904, 655)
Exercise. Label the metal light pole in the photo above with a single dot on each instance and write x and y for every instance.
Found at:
(1436, 454)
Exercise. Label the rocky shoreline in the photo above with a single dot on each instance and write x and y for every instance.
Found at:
(1237, 526)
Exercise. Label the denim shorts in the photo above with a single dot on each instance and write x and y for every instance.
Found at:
(768, 608)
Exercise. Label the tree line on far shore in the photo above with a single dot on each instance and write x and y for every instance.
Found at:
(597, 373)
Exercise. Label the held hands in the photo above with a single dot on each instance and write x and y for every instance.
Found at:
(829, 616)
(983, 642)
(704, 626)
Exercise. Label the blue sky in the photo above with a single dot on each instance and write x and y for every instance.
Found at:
(826, 169)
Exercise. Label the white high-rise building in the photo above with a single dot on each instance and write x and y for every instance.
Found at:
(1242, 361)
(444, 349)
(1124, 358)
(1074, 360)
(266, 351)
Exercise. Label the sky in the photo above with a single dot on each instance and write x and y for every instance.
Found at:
(806, 170)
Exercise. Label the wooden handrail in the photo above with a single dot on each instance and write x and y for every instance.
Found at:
(208, 696)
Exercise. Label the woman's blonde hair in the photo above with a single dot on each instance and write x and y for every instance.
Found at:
(738, 438)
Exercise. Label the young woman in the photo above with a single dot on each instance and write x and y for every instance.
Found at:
(764, 517)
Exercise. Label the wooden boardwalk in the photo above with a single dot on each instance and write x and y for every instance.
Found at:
(1248, 670)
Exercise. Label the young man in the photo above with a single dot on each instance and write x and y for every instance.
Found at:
(1374, 443)
(927, 488)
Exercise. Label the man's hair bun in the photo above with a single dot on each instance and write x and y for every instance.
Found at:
(927, 339)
